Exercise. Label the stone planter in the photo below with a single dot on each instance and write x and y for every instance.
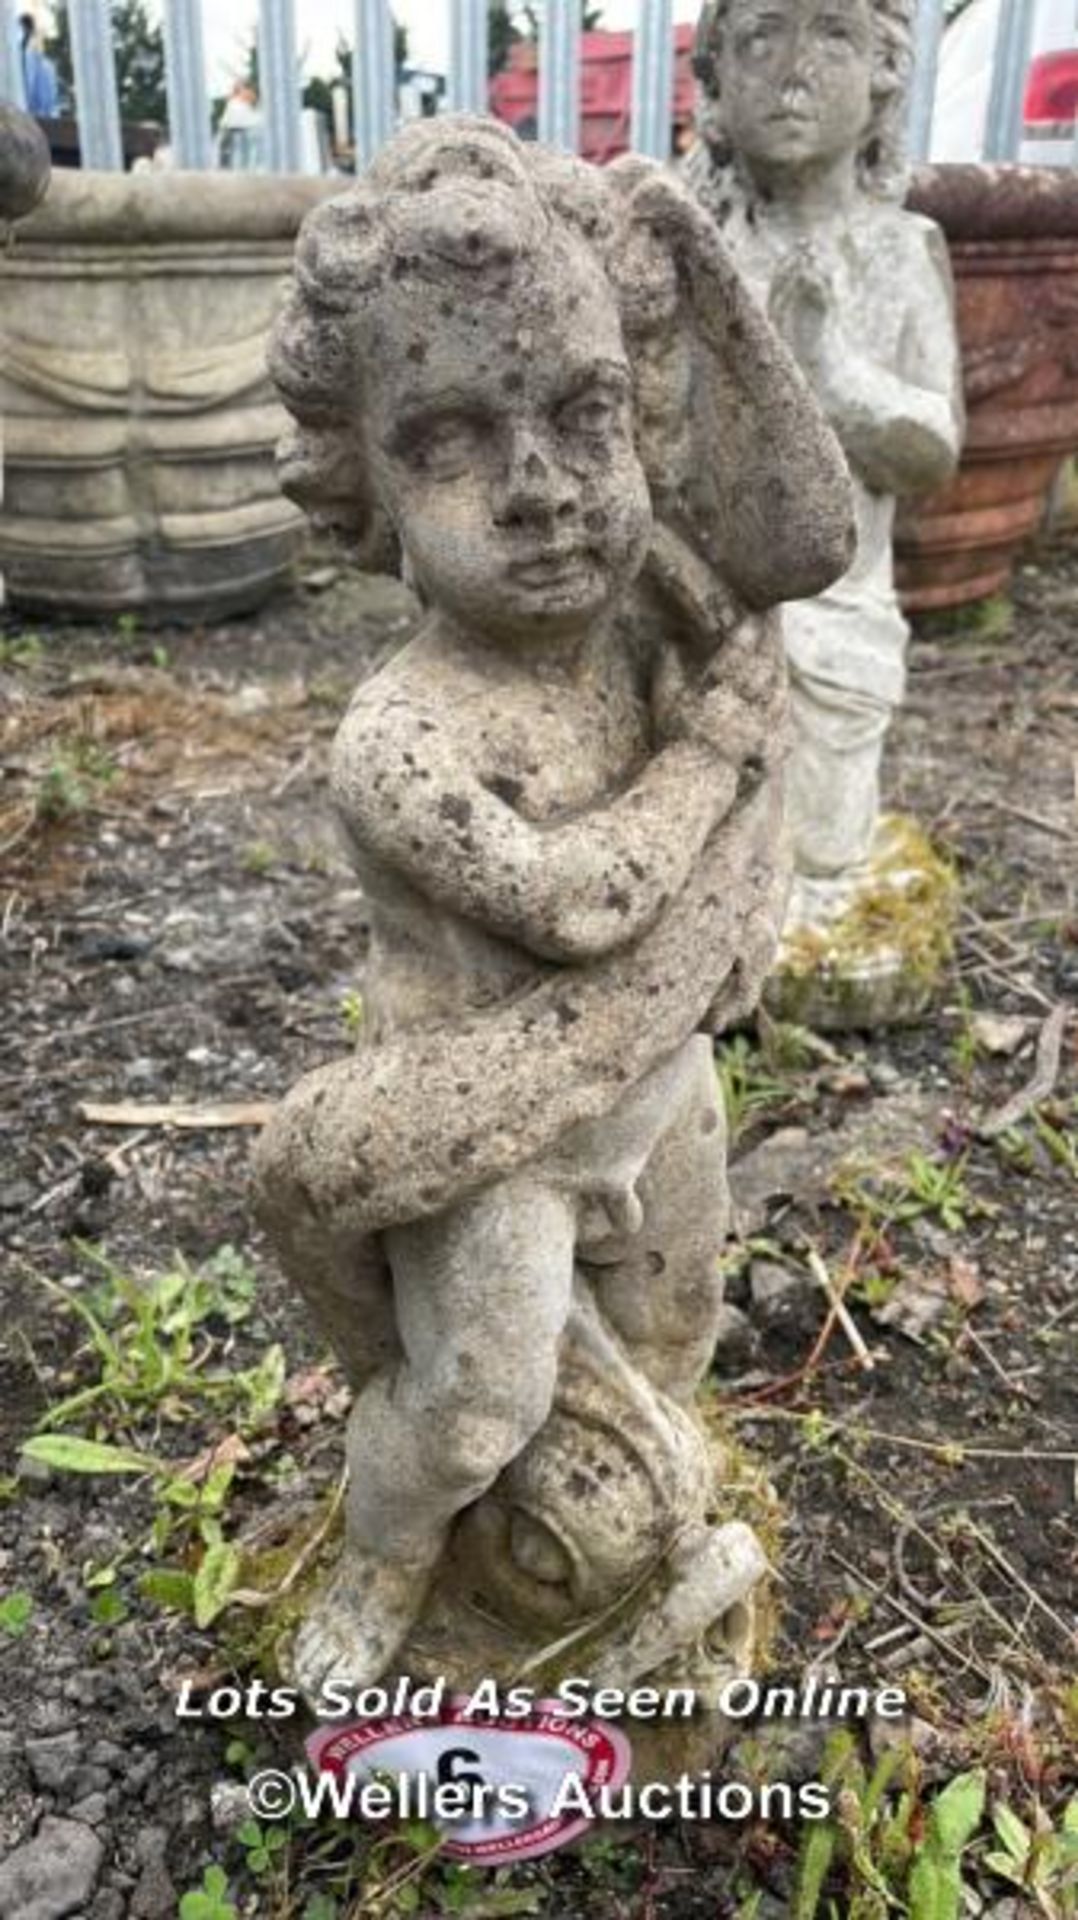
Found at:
(1013, 236)
(24, 176)
(140, 425)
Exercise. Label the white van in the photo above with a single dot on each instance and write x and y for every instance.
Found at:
(1049, 133)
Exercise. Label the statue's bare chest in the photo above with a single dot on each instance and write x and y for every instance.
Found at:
(559, 748)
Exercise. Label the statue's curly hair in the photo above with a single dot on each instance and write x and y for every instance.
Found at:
(454, 198)
(461, 214)
(882, 162)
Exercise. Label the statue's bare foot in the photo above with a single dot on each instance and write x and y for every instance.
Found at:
(358, 1623)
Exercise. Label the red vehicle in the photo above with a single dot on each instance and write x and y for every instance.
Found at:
(606, 91)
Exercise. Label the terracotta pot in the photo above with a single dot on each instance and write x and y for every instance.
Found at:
(140, 424)
(1013, 238)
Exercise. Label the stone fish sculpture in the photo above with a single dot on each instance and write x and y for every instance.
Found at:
(802, 163)
(563, 798)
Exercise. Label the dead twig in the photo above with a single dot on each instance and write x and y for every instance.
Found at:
(1039, 1087)
(960, 669)
(951, 1452)
(988, 1545)
(908, 1586)
(1005, 1379)
(908, 1614)
(995, 970)
(1034, 819)
(21, 833)
(840, 1310)
(239, 1113)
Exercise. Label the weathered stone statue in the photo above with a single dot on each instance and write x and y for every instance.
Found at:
(563, 799)
(801, 162)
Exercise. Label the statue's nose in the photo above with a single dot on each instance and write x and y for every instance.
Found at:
(537, 486)
(797, 65)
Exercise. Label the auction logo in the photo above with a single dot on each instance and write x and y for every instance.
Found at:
(490, 1784)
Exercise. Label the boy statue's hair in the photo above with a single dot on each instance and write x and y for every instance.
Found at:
(407, 218)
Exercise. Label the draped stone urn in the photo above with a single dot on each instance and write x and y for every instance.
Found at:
(24, 176)
(134, 316)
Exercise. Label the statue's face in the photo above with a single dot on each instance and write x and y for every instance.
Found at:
(796, 78)
(500, 437)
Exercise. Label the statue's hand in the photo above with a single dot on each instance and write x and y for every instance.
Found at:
(803, 307)
(730, 708)
(675, 699)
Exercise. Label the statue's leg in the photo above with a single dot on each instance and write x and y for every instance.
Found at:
(833, 777)
(346, 1282)
(664, 1293)
(482, 1293)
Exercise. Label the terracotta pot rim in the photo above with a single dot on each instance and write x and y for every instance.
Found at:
(989, 203)
(1014, 255)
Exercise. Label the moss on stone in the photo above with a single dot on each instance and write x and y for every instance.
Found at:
(881, 959)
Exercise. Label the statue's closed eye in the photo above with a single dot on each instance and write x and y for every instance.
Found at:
(600, 406)
(442, 445)
(759, 37)
(591, 413)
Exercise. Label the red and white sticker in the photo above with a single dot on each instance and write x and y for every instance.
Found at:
(515, 1771)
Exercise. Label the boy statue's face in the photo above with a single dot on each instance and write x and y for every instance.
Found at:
(501, 440)
(796, 80)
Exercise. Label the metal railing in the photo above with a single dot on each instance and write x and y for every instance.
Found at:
(12, 90)
(373, 79)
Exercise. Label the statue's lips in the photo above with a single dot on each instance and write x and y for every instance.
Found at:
(550, 569)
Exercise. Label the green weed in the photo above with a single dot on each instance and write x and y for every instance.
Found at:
(259, 857)
(923, 1187)
(147, 1337)
(352, 1013)
(21, 650)
(1054, 1128)
(152, 1345)
(894, 1856)
(16, 1612)
(1041, 1859)
(965, 1047)
(73, 780)
(895, 1851)
(749, 1086)
(210, 1901)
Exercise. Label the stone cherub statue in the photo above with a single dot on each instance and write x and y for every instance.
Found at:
(801, 162)
(563, 800)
